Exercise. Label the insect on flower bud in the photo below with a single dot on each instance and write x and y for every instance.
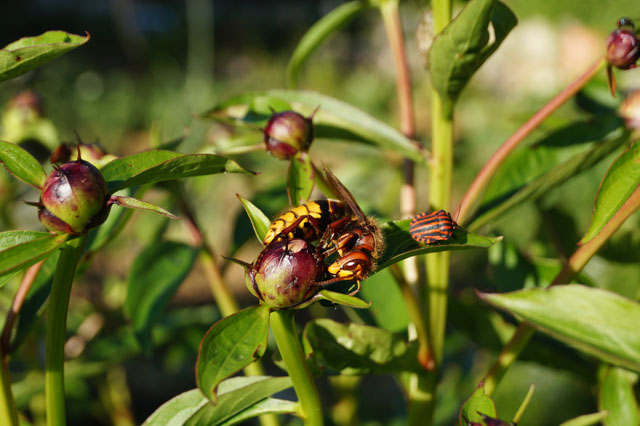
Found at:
(73, 198)
(287, 133)
(623, 47)
(285, 273)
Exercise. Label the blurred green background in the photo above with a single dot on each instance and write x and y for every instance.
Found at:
(152, 66)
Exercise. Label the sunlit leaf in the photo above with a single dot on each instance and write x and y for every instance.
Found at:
(342, 299)
(598, 322)
(300, 179)
(155, 275)
(26, 248)
(400, 245)
(259, 220)
(617, 396)
(230, 345)
(464, 45)
(134, 203)
(21, 164)
(478, 402)
(358, 349)
(334, 119)
(328, 25)
(158, 166)
(586, 419)
(266, 406)
(620, 181)
(28, 53)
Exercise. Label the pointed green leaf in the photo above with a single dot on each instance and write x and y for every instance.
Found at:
(239, 398)
(21, 164)
(478, 402)
(620, 181)
(318, 33)
(266, 406)
(464, 45)
(587, 419)
(157, 166)
(230, 345)
(134, 203)
(27, 248)
(155, 275)
(400, 245)
(337, 298)
(540, 185)
(617, 396)
(598, 322)
(335, 119)
(259, 220)
(300, 179)
(358, 349)
(28, 53)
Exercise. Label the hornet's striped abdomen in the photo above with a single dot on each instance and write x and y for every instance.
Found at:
(430, 227)
(307, 221)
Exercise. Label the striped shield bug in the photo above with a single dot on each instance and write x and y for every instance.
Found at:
(430, 227)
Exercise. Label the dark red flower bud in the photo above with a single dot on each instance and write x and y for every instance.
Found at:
(74, 198)
(285, 273)
(623, 49)
(287, 133)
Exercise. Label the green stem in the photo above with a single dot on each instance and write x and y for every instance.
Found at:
(8, 412)
(284, 331)
(70, 254)
(489, 169)
(574, 265)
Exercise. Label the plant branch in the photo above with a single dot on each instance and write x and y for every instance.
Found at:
(489, 169)
(16, 306)
(70, 254)
(8, 411)
(572, 267)
(284, 331)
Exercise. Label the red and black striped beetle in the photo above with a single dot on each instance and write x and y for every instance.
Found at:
(430, 227)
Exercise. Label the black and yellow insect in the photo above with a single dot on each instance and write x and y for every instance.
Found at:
(430, 227)
(356, 238)
(307, 221)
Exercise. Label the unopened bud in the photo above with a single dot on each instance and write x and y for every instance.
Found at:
(287, 133)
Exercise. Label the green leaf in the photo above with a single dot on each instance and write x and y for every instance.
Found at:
(595, 321)
(340, 299)
(400, 245)
(134, 203)
(388, 309)
(333, 117)
(358, 349)
(537, 187)
(478, 402)
(155, 275)
(620, 181)
(259, 220)
(266, 406)
(617, 397)
(22, 165)
(318, 33)
(239, 398)
(300, 179)
(230, 345)
(21, 249)
(464, 45)
(28, 53)
(158, 166)
(587, 419)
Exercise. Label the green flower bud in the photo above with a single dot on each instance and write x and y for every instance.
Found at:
(285, 273)
(73, 198)
(287, 133)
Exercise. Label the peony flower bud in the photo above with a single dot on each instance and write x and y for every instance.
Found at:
(287, 133)
(73, 198)
(623, 47)
(285, 273)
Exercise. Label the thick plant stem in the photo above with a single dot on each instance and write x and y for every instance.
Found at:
(8, 412)
(284, 331)
(574, 265)
(489, 169)
(70, 254)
